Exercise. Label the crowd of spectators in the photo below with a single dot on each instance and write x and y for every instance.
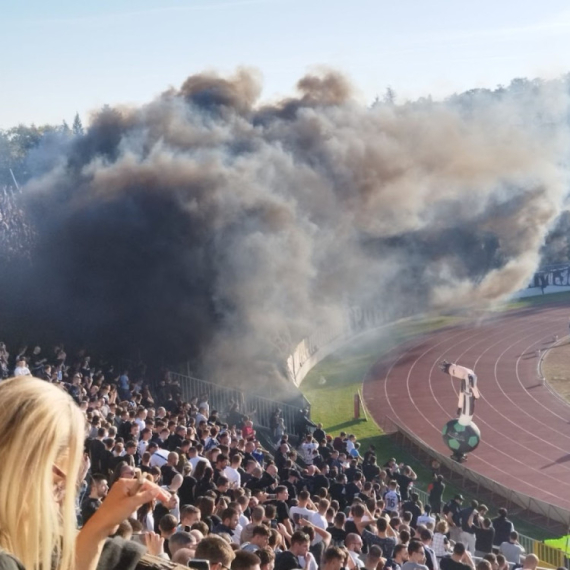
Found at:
(16, 233)
(322, 502)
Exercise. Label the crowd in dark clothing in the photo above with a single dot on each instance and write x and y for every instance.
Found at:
(238, 505)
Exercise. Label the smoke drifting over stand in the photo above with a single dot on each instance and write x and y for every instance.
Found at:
(208, 225)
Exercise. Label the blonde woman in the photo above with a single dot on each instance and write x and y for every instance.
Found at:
(41, 451)
(440, 544)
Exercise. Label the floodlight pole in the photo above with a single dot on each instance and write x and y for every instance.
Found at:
(15, 181)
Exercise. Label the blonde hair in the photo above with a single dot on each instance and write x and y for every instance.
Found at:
(441, 527)
(40, 427)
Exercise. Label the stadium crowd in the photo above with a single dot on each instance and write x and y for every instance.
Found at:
(16, 233)
(323, 503)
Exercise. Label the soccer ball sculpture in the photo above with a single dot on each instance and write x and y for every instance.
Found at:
(459, 438)
(461, 435)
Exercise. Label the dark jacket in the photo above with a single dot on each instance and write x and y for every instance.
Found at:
(286, 561)
(503, 528)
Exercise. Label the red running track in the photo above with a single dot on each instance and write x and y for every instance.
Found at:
(525, 427)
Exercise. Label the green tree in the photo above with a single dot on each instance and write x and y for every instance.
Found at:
(389, 96)
(77, 126)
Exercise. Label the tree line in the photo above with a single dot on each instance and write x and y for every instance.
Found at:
(18, 142)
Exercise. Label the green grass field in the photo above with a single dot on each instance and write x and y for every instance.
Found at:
(540, 300)
(344, 371)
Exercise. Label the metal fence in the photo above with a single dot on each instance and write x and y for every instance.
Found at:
(259, 408)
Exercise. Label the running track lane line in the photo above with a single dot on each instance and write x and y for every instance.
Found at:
(458, 333)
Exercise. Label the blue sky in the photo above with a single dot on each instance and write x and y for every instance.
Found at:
(66, 56)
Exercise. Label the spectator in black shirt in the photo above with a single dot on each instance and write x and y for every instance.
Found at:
(436, 489)
(459, 560)
(353, 487)
(325, 450)
(220, 465)
(281, 457)
(291, 479)
(321, 480)
(405, 478)
(207, 506)
(269, 477)
(413, 506)
(467, 518)
(37, 362)
(169, 470)
(283, 517)
(399, 557)
(337, 491)
(186, 491)
(107, 459)
(352, 470)
(484, 538)
(385, 537)
(451, 511)
(370, 469)
(97, 451)
(99, 490)
(167, 528)
(337, 532)
(319, 434)
(175, 440)
(289, 560)
(229, 522)
(356, 525)
(503, 528)
(161, 438)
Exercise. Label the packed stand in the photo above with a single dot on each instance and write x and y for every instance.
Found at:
(231, 503)
(16, 233)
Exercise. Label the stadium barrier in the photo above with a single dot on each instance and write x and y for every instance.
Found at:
(260, 409)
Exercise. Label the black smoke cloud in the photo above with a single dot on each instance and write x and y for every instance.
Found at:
(208, 226)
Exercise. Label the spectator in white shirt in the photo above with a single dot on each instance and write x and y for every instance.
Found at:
(194, 458)
(353, 544)
(426, 518)
(21, 369)
(146, 434)
(201, 415)
(141, 417)
(349, 442)
(319, 519)
(307, 449)
(392, 498)
(232, 473)
(303, 508)
(512, 550)
(203, 404)
(159, 458)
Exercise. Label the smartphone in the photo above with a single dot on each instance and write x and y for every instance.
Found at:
(199, 564)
